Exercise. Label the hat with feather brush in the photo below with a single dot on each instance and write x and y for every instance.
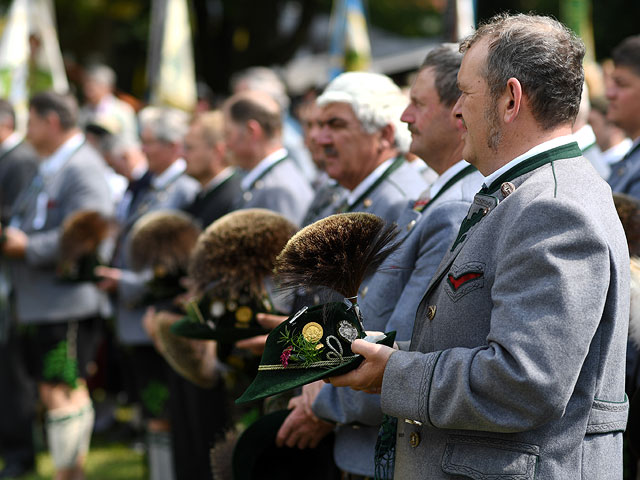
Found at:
(161, 242)
(83, 234)
(337, 252)
(229, 268)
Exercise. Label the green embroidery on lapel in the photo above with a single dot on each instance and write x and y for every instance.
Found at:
(467, 223)
(555, 180)
(570, 150)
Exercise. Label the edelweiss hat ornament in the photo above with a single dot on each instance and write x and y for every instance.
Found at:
(229, 266)
(315, 343)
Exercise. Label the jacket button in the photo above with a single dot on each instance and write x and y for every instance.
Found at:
(410, 225)
(431, 312)
(414, 439)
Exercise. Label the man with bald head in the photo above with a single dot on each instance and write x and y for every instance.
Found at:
(253, 134)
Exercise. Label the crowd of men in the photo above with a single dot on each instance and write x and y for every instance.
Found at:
(509, 295)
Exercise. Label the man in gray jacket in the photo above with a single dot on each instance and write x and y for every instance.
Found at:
(516, 362)
(64, 318)
(427, 227)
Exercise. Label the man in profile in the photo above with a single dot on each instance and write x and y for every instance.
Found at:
(516, 362)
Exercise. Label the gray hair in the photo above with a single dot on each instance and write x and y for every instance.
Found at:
(262, 79)
(101, 74)
(375, 100)
(545, 57)
(445, 61)
(166, 124)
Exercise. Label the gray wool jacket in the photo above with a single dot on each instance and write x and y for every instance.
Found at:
(517, 357)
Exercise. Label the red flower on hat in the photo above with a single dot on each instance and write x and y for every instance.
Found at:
(286, 353)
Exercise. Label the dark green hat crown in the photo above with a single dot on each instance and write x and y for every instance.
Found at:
(313, 344)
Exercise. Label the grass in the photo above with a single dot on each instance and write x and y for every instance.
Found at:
(106, 461)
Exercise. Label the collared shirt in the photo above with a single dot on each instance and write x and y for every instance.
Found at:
(217, 180)
(264, 165)
(369, 180)
(177, 168)
(542, 147)
(11, 141)
(52, 164)
(615, 153)
(585, 137)
(446, 176)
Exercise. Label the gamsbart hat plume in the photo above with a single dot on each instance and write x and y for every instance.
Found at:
(238, 251)
(336, 252)
(163, 239)
(82, 235)
(228, 268)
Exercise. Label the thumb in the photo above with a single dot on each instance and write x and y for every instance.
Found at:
(363, 347)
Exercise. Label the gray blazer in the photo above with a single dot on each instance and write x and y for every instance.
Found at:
(625, 174)
(40, 296)
(388, 301)
(18, 165)
(387, 201)
(176, 194)
(283, 189)
(516, 368)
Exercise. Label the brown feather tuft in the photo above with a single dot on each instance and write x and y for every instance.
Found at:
(338, 252)
(238, 251)
(82, 233)
(163, 238)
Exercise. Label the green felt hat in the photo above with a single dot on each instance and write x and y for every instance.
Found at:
(313, 344)
(221, 319)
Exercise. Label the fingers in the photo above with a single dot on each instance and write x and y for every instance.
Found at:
(267, 320)
(254, 344)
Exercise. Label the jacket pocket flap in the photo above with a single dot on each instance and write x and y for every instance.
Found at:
(484, 458)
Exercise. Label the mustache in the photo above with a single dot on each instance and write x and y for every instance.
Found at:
(330, 150)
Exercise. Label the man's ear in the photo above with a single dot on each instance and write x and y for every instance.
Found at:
(53, 120)
(512, 100)
(254, 129)
(388, 136)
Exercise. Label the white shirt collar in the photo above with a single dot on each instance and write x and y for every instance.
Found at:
(446, 176)
(615, 153)
(263, 166)
(362, 187)
(585, 137)
(11, 141)
(542, 147)
(174, 170)
(218, 179)
(57, 159)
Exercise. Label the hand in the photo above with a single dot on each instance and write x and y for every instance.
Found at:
(368, 376)
(254, 344)
(110, 278)
(149, 324)
(270, 321)
(309, 394)
(15, 243)
(301, 430)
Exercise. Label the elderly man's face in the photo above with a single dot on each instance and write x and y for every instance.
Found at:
(160, 154)
(623, 93)
(350, 153)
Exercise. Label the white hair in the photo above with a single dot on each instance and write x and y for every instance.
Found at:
(166, 124)
(101, 74)
(375, 99)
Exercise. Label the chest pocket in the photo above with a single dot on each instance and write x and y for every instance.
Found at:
(465, 278)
